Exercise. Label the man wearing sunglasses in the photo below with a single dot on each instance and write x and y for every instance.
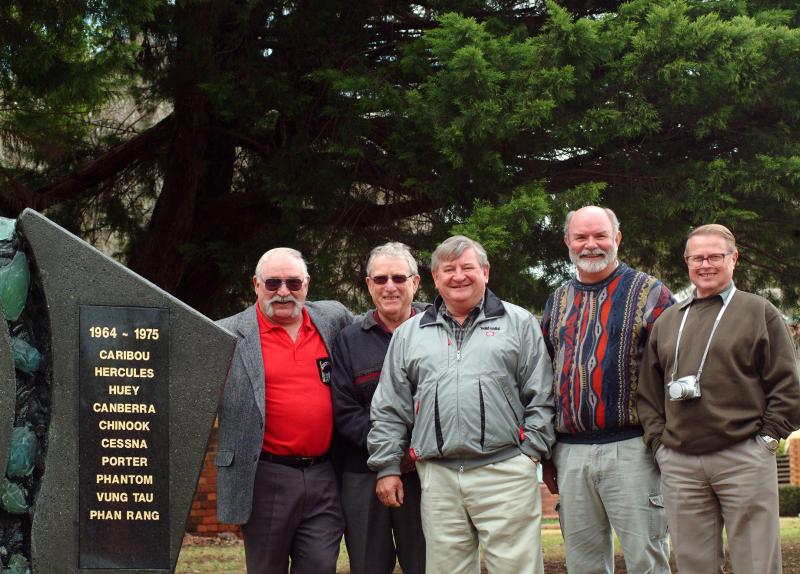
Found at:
(376, 535)
(276, 424)
(466, 390)
(595, 326)
(719, 388)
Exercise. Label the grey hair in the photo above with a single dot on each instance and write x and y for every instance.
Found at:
(612, 217)
(281, 251)
(393, 249)
(712, 229)
(453, 247)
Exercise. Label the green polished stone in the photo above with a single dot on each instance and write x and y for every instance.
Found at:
(17, 564)
(26, 357)
(12, 497)
(7, 227)
(22, 456)
(15, 278)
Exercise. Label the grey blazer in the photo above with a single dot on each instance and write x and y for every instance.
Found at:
(241, 408)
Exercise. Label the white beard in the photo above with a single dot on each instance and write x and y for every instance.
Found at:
(593, 266)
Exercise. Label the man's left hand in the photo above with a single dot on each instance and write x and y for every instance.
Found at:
(390, 491)
(549, 476)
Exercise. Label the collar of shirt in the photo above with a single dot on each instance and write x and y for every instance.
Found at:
(377, 318)
(471, 316)
(722, 294)
(265, 325)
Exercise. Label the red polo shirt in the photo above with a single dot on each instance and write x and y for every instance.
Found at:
(299, 411)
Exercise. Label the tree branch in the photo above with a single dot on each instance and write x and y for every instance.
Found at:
(140, 147)
(241, 210)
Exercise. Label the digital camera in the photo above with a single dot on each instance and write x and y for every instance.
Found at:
(683, 389)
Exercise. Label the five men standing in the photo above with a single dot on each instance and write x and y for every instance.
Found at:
(719, 387)
(466, 390)
(463, 390)
(376, 534)
(596, 327)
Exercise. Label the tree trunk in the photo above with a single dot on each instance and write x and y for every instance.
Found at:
(159, 254)
(203, 282)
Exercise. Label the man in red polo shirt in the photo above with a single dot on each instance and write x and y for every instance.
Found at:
(275, 477)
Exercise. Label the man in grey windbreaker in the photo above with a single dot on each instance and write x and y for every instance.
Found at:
(466, 389)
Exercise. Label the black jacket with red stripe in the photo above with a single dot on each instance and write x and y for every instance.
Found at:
(358, 355)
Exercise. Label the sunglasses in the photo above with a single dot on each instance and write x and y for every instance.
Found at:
(273, 284)
(396, 279)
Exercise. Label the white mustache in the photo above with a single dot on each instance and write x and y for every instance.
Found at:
(270, 312)
(286, 299)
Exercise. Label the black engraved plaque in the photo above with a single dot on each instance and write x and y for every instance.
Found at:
(124, 437)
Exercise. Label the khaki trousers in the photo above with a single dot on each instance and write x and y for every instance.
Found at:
(496, 507)
(606, 488)
(736, 488)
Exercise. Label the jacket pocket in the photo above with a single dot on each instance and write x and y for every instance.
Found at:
(500, 422)
(427, 438)
(224, 458)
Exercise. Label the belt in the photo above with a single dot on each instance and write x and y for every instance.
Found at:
(294, 461)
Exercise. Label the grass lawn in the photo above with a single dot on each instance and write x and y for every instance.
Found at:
(206, 556)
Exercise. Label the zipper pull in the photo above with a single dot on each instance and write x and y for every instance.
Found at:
(458, 355)
(461, 468)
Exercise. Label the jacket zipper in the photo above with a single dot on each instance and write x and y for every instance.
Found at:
(458, 360)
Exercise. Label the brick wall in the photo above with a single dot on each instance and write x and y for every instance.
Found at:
(203, 516)
(549, 502)
(794, 461)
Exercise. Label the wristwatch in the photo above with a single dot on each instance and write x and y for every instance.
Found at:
(771, 442)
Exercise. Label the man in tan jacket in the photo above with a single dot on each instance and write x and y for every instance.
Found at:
(718, 389)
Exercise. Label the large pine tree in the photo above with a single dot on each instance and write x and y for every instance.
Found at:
(189, 136)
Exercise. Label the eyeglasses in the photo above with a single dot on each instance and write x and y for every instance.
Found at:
(273, 283)
(396, 279)
(715, 259)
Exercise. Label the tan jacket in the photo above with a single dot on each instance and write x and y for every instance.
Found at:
(749, 383)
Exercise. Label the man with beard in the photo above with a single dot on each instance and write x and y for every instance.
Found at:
(376, 535)
(276, 423)
(596, 327)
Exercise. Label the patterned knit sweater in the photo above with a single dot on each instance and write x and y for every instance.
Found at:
(596, 334)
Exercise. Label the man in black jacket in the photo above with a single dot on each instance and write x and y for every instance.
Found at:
(375, 535)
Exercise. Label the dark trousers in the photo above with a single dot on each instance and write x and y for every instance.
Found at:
(296, 514)
(376, 535)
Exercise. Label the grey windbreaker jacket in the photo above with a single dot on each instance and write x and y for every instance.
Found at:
(481, 404)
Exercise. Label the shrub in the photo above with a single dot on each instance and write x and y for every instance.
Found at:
(789, 500)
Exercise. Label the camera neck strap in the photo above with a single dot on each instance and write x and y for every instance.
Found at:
(711, 336)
